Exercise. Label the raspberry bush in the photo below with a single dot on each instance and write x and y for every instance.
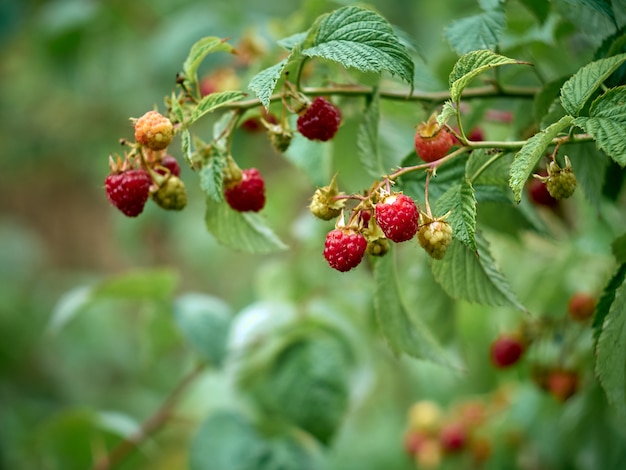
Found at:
(377, 224)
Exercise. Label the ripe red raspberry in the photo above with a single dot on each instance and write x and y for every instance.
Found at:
(171, 164)
(435, 236)
(581, 306)
(248, 194)
(506, 350)
(397, 216)
(320, 120)
(453, 437)
(562, 384)
(344, 249)
(172, 195)
(128, 191)
(432, 141)
(154, 130)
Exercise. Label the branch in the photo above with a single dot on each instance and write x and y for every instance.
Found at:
(151, 425)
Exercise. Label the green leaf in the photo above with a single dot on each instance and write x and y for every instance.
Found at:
(607, 123)
(314, 158)
(606, 300)
(576, 91)
(151, 284)
(68, 306)
(402, 334)
(618, 247)
(482, 31)
(529, 155)
(177, 109)
(611, 353)
(590, 166)
(601, 6)
(362, 39)
(447, 111)
(264, 82)
(199, 51)
(214, 101)
(474, 277)
(546, 96)
(369, 150)
(205, 323)
(211, 178)
(539, 8)
(185, 139)
(292, 41)
(461, 202)
(242, 231)
(472, 64)
(486, 168)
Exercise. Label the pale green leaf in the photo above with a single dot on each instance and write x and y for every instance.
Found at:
(291, 41)
(474, 277)
(611, 353)
(403, 334)
(576, 91)
(472, 64)
(185, 139)
(460, 201)
(177, 109)
(211, 178)
(312, 157)
(264, 82)
(529, 155)
(242, 231)
(447, 111)
(481, 31)
(151, 284)
(68, 306)
(199, 51)
(205, 323)
(214, 101)
(369, 150)
(362, 39)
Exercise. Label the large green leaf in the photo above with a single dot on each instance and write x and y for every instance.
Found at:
(529, 155)
(474, 277)
(472, 64)
(369, 151)
(362, 39)
(199, 51)
(403, 334)
(205, 323)
(606, 300)
(461, 202)
(590, 166)
(264, 82)
(482, 31)
(214, 101)
(607, 123)
(576, 91)
(242, 231)
(601, 6)
(611, 353)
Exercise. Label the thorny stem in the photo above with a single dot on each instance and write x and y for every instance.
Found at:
(151, 425)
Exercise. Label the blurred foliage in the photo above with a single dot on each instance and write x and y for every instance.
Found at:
(137, 301)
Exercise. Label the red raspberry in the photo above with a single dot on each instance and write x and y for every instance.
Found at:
(248, 194)
(397, 216)
(171, 164)
(320, 120)
(344, 249)
(154, 130)
(128, 191)
(539, 195)
(506, 350)
(562, 384)
(453, 437)
(432, 141)
(581, 306)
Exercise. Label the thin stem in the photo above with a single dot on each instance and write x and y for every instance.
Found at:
(429, 174)
(151, 425)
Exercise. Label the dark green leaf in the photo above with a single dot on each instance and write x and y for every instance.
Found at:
(242, 231)
(214, 101)
(359, 38)
(402, 334)
(205, 323)
(590, 166)
(472, 64)
(474, 277)
(544, 99)
(199, 51)
(601, 6)
(606, 300)
(619, 249)
(461, 203)
(540, 8)
(611, 353)
(607, 123)
(527, 158)
(576, 91)
(482, 31)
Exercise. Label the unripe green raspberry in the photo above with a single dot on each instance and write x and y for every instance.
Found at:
(323, 203)
(172, 194)
(154, 130)
(561, 182)
(434, 235)
(377, 247)
(280, 137)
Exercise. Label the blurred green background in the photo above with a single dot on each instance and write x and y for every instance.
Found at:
(72, 74)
